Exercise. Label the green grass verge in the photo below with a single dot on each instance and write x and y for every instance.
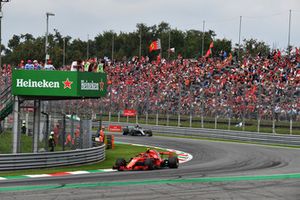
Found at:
(120, 151)
(26, 143)
(226, 140)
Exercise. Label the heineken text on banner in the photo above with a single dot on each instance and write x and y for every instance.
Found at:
(58, 83)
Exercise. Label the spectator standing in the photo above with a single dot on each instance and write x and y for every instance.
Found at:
(77, 65)
(49, 65)
(29, 65)
(21, 65)
(23, 128)
(51, 141)
(56, 133)
(36, 65)
(101, 136)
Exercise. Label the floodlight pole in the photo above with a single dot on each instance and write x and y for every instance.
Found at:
(169, 45)
(88, 47)
(240, 30)
(202, 45)
(140, 48)
(1, 15)
(47, 28)
(64, 52)
(112, 47)
(289, 32)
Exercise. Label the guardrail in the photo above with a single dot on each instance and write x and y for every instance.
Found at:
(51, 159)
(264, 138)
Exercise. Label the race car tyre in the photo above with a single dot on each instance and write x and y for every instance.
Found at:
(149, 133)
(120, 162)
(132, 133)
(173, 162)
(125, 131)
(149, 163)
(164, 164)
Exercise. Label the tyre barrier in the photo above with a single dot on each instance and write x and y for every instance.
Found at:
(110, 140)
(51, 159)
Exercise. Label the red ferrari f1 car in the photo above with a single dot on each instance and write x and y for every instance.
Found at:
(149, 160)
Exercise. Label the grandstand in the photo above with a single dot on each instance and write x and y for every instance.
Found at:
(214, 89)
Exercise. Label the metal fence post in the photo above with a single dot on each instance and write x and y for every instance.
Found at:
(36, 124)
(245, 108)
(202, 105)
(16, 129)
(191, 105)
(64, 132)
(109, 116)
(273, 109)
(179, 105)
(168, 119)
(216, 121)
(291, 126)
(259, 106)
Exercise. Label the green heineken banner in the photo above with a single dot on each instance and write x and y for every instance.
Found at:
(58, 83)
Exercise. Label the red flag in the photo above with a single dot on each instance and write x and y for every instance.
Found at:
(297, 51)
(155, 45)
(207, 53)
(211, 45)
(278, 54)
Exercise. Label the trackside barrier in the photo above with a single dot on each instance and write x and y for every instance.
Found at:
(51, 159)
(264, 138)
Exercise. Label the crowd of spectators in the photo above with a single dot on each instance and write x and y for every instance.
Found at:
(35, 65)
(216, 86)
(260, 86)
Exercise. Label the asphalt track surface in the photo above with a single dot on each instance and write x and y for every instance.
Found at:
(218, 170)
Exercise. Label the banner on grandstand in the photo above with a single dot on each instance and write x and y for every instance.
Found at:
(155, 45)
(58, 83)
(115, 128)
(129, 112)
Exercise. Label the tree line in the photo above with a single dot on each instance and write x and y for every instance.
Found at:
(123, 45)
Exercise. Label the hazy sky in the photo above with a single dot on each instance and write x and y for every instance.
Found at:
(265, 20)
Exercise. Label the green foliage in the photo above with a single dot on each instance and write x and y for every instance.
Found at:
(221, 45)
(6, 143)
(126, 45)
(253, 47)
